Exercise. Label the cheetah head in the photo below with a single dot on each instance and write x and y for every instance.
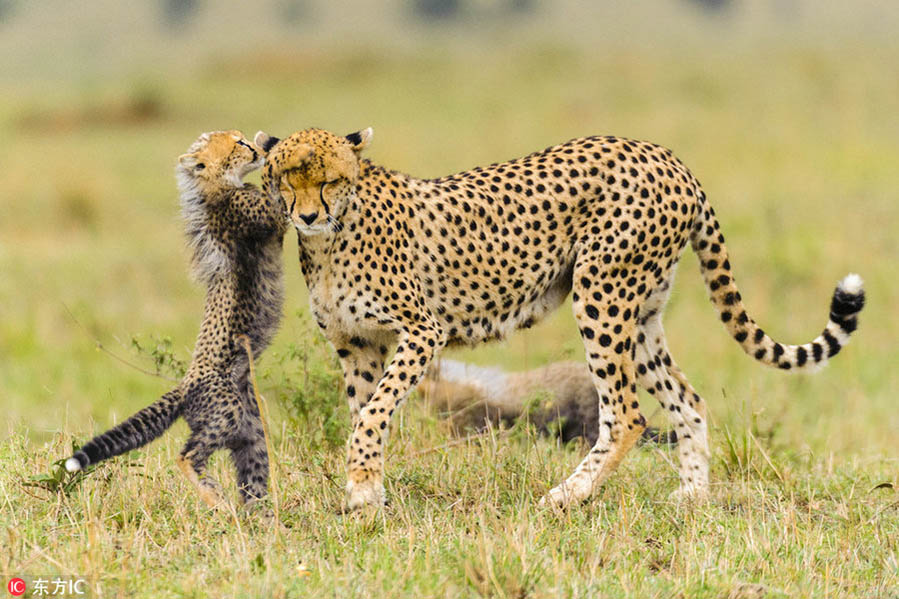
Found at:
(313, 172)
(215, 160)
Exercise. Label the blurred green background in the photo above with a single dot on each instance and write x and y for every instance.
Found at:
(786, 110)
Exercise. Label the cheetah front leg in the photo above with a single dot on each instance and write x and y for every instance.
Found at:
(365, 460)
(362, 361)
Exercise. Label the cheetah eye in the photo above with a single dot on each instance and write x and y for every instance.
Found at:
(200, 166)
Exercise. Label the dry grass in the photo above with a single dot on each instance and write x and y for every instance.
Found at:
(463, 521)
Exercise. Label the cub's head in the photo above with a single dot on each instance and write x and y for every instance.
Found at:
(313, 172)
(218, 159)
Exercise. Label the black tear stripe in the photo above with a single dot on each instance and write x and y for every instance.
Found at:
(240, 142)
(321, 196)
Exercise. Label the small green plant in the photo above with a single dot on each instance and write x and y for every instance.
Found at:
(749, 451)
(59, 480)
(524, 426)
(160, 351)
(307, 382)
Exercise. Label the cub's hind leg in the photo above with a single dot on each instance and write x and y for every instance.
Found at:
(250, 456)
(192, 463)
(660, 376)
(608, 326)
(213, 413)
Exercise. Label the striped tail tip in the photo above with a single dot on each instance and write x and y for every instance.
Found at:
(76, 462)
(852, 284)
(848, 300)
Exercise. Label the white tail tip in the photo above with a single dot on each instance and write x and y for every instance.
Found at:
(851, 283)
(73, 465)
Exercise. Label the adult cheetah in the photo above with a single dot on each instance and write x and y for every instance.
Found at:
(389, 258)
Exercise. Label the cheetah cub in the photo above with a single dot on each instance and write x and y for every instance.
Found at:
(236, 234)
(558, 399)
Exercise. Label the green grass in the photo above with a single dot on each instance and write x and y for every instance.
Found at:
(796, 148)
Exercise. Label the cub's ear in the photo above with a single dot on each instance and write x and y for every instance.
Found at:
(265, 141)
(360, 139)
(190, 161)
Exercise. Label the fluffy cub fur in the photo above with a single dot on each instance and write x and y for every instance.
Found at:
(236, 235)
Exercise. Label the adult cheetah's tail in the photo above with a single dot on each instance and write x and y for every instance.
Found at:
(137, 431)
(848, 300)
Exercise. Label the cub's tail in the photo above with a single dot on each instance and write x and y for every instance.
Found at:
(848, 300)
(137, 431)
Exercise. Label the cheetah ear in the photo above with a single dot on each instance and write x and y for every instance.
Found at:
(265, 141)
(187, 160)
(360, 139)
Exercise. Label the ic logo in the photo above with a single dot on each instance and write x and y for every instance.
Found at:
(16, 587)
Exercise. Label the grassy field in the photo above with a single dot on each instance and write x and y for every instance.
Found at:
(796, 147)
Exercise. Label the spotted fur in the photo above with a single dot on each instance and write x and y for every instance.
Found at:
(390, 259)
(235, 233)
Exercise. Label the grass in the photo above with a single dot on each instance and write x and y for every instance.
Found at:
(795, 146)
(463, 521)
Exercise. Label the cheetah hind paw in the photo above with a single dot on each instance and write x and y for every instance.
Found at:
(208, 488)
(689, 493)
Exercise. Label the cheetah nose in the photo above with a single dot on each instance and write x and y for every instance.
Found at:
(309, 218)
